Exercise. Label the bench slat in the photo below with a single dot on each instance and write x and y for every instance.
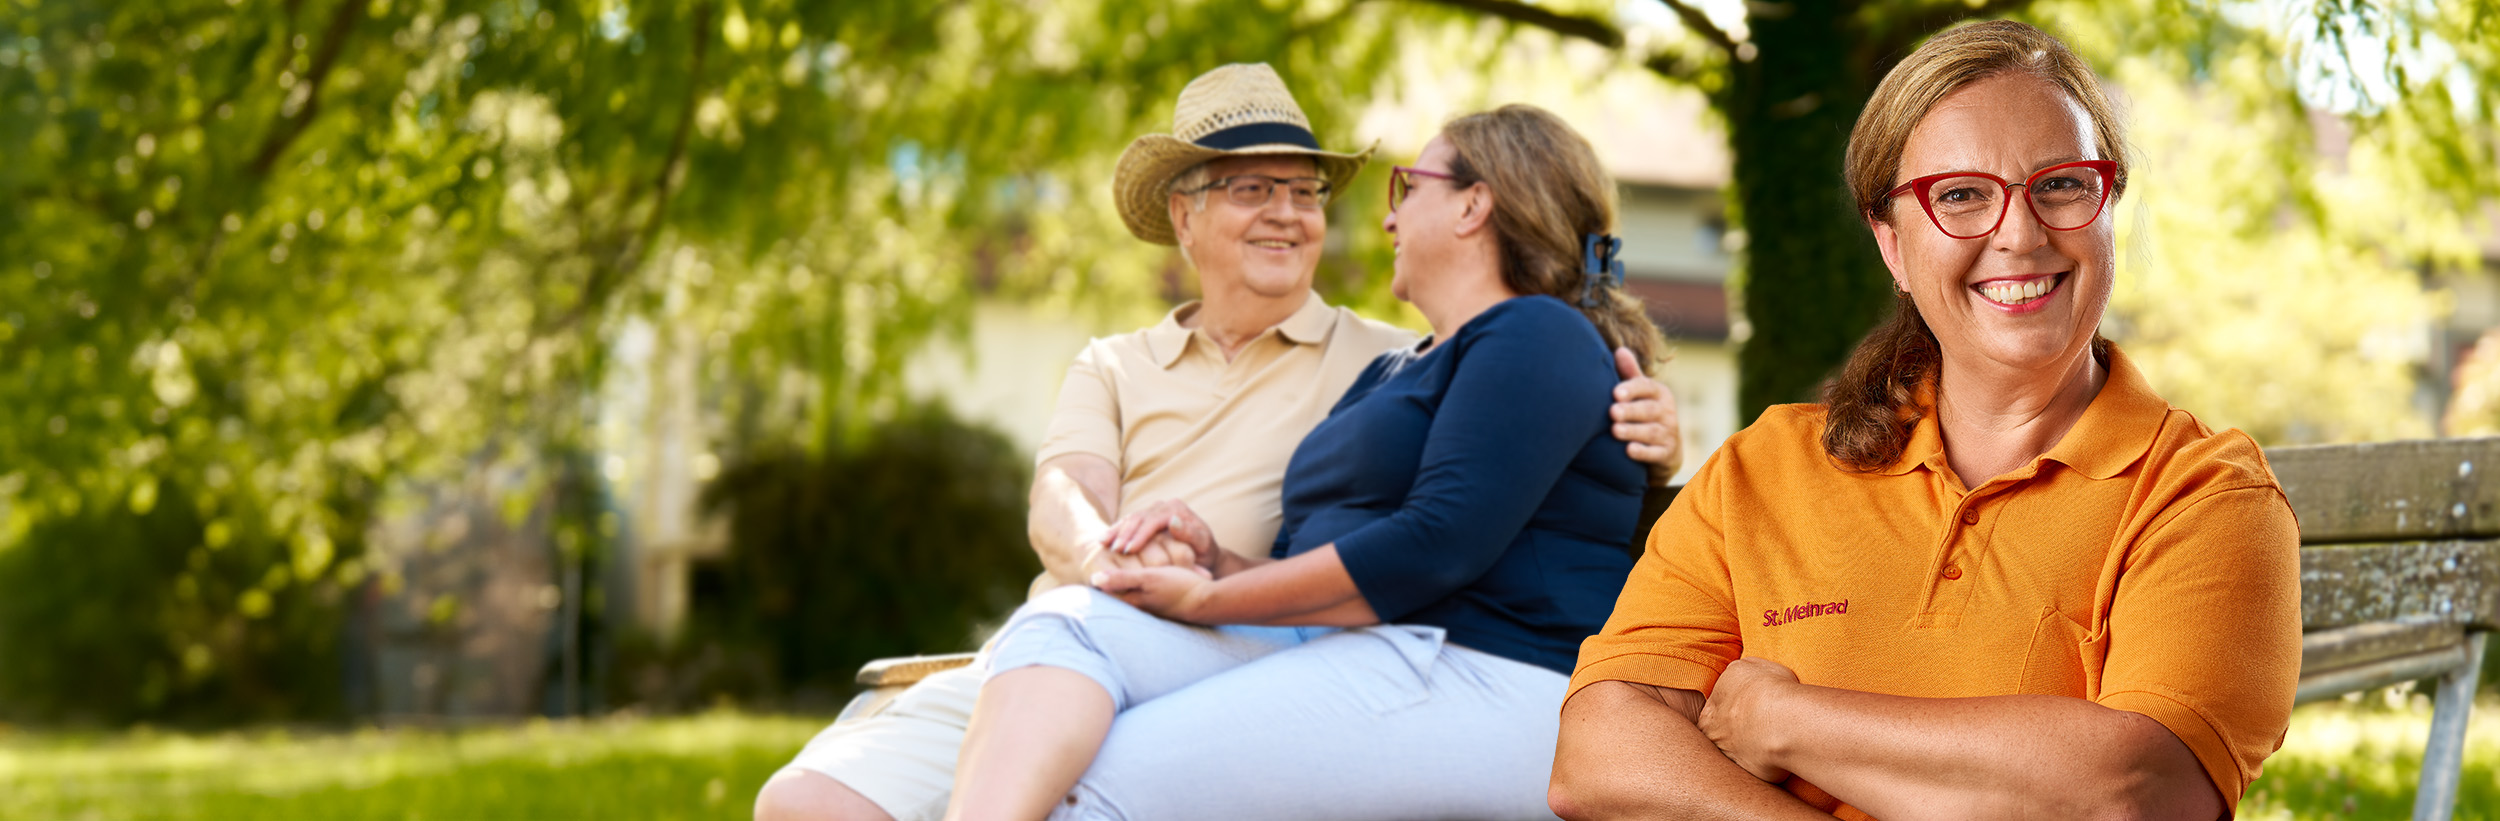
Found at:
(2392, 491)
(2381, 673)
(2330, 650)
(2453, 582)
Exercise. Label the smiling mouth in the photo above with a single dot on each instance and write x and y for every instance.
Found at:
(2011, 292)
(1274, 244)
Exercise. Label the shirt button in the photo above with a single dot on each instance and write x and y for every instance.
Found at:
(1952, 571)
(1970, 517)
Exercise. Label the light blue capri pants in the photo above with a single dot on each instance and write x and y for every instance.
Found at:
(1382, 722)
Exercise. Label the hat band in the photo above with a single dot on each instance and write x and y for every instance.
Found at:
(1243, 136)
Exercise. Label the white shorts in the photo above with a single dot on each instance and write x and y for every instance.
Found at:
(902, 758)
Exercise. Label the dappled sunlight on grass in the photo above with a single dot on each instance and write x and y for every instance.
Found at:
(2359, 759)
(705, 766)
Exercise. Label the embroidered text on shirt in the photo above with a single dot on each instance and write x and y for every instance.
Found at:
(1775, 618)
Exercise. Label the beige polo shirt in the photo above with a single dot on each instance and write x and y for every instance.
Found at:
(1180, 422)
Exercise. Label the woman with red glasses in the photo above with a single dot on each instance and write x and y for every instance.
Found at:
(1993, 575)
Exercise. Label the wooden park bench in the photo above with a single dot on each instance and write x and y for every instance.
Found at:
(2399, 579)
(2399, 582)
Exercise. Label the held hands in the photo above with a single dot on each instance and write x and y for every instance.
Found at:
(1160, 552)
(1645, 419)
(1733, 716)
(1173, 591)
(1143, 530)
(1160, 559)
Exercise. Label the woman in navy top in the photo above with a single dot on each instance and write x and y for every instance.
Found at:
(1461, 514)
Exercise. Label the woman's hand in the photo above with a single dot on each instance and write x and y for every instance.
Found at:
(1175, 593)
(1645, 419)
(1139, 530)
(1733, 718)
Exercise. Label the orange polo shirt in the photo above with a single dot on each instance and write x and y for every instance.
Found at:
(2145, 563)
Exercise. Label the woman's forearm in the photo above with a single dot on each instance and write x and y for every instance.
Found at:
(2026, 756)
(1228, 563)
(1631, 751)
(1312, 588)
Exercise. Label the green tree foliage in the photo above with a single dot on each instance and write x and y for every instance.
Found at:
(2289, 203)
(1791, 79)
(903, 544)
(275, 260)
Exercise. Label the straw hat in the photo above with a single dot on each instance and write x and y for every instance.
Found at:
(1234, 111)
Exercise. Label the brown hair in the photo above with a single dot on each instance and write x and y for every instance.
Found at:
(1550, 193)
(1876, 401)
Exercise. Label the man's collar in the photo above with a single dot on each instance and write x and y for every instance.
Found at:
(1309, 325)
(2115, 431)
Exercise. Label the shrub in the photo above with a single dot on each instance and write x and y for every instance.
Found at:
(111, 616)
(903, 543)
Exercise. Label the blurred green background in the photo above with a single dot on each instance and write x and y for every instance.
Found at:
(424, 366)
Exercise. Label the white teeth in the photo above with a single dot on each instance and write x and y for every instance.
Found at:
(2017, 293)
(1270, 243)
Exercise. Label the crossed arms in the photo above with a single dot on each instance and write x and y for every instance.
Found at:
(1635, 750)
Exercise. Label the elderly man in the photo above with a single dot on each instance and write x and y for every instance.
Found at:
(1204, 406)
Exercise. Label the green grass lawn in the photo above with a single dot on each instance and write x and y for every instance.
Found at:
(2358, 760)
(2341, 761)
(704, 766)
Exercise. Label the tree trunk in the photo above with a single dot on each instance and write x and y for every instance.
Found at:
(1812, 283)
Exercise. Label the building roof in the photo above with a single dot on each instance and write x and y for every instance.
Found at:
(1649, 132)
(1646, 130)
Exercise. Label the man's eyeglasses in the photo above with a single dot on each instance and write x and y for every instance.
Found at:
(1255, 190)
(1971, 204)
(1402, 182)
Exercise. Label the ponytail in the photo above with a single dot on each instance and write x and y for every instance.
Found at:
(1870, 410)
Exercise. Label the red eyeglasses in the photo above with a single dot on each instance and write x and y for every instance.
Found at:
(1971, 204)
(1402, 182)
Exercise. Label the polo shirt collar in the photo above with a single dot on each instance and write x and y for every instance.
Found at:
(1926, 445)
(2119, 426)
(2115, 431)
(1309, 325)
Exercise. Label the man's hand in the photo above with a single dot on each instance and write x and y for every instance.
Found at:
(1645, 419)
(1171, 592)
(1732, 718)
(1170, 519)
(1163, 551)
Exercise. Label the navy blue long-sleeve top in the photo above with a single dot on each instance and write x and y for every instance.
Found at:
(1476, 486)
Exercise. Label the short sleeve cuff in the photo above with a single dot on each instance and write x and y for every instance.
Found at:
(2192, 727)
(1654, 669)
(1107, 451)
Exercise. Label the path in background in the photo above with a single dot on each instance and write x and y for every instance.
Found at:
(2342, 760)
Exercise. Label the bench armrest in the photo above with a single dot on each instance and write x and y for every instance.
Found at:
(901, 672)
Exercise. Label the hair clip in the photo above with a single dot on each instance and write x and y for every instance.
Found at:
(1598, 265)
